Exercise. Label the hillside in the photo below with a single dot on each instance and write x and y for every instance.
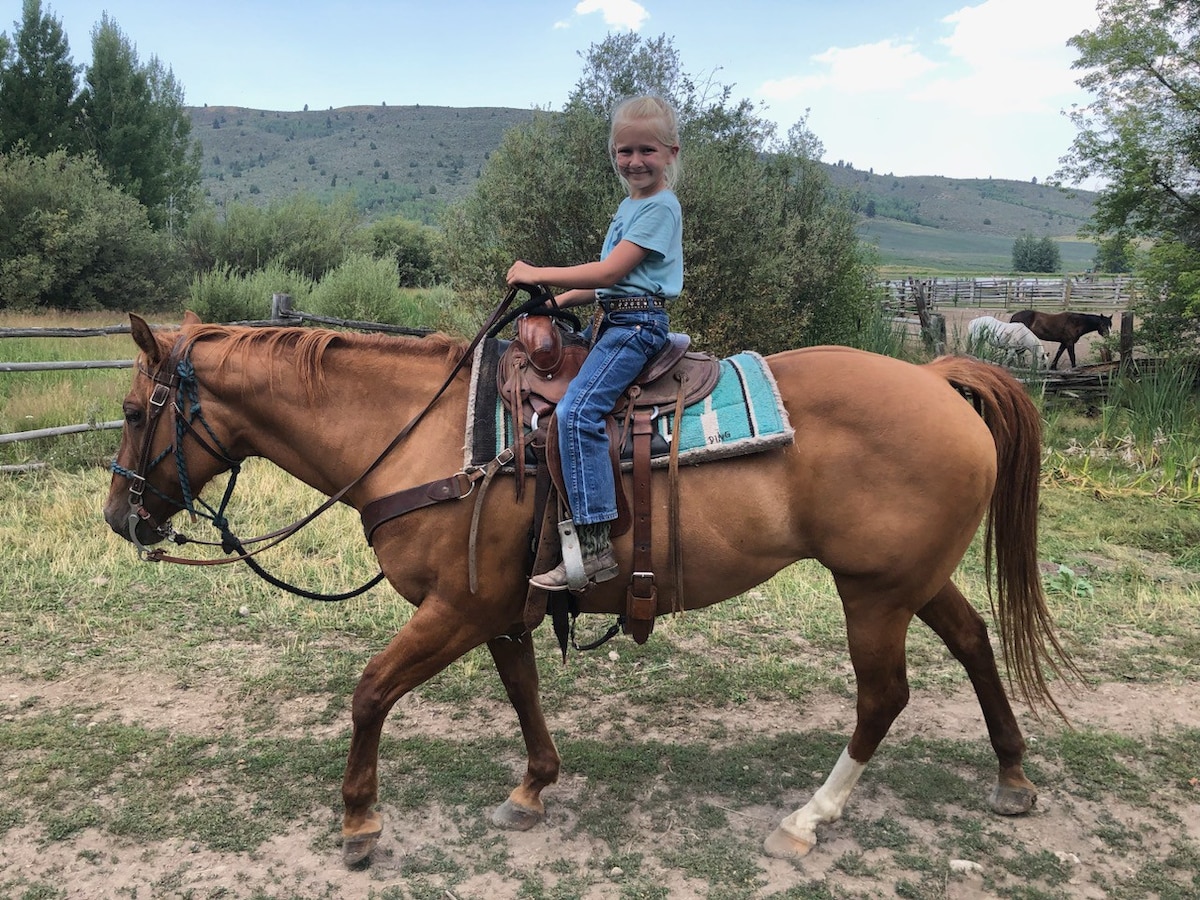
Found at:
(407, 159)
(415, 159)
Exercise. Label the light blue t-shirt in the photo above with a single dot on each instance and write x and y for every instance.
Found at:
(654, 223)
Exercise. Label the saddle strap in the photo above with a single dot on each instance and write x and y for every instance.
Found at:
(673, 499)
(641, 602)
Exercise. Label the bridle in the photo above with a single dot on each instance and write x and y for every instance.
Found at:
(177, 389)
(176, 376)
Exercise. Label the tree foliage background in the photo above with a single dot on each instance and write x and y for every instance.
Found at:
(1032, 254)
(1141, 137)
(125, 136)
(771, 256)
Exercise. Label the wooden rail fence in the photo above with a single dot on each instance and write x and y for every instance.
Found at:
(910, 303)
(281, 314)
(1081, 293)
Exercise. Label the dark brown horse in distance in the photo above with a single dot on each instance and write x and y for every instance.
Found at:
(1064, 327)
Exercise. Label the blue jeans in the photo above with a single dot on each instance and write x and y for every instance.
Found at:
(628, 340)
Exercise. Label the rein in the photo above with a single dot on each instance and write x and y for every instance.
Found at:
(177, 374)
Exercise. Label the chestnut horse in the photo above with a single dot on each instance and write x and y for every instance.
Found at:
(890, 475)
(1064, 327)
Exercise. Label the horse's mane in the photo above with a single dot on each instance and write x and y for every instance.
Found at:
(308, 347)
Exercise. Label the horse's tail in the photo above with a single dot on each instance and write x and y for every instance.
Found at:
(1019, 602)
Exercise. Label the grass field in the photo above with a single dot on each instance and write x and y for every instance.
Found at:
(918, 249)
(181, 732)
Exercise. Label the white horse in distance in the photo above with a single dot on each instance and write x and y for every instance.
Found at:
(1008, 342)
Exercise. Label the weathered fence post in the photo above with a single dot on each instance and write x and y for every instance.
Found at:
(933, 327)
(1125, 346)
(281, 306)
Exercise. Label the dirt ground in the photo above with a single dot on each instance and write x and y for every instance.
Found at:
(304, 864)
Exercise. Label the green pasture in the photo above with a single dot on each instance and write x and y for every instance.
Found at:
(919, 249)
(162, 723)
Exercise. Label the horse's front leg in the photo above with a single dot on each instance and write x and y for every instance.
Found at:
(436, 635)
(517, 664)
(1058, 355)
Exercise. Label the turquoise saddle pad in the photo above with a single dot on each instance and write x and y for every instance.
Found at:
(744, 414)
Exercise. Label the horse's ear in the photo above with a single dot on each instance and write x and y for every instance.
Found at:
(143, 336)
(190, 318)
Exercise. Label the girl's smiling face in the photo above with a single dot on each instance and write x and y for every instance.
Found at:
(641, 159)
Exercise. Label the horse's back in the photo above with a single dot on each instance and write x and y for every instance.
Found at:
(888, 477)
(845, 388)
(875, 428)
(1025, 317)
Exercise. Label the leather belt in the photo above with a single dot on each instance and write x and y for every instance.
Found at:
(632, 304)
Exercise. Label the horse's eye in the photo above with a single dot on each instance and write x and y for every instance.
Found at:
(133, 415)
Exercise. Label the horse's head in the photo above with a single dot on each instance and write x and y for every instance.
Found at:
(1105, 325)
(168, 451)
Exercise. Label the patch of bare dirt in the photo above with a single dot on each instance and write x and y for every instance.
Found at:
(305, 863)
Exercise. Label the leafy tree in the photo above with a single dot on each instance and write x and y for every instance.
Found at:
(138, 127)
(38, 104)
(1141, 134)
(1169, 305)
(5, 49)
(547, 193)
(771, 253)
(412, 246)
(1030, 254)
(1114, 254)
(1141, 137)
(70, 240)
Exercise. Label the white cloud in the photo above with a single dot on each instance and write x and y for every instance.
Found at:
(1003, 65)
(979, 92)
(618, 13)
(883, 66)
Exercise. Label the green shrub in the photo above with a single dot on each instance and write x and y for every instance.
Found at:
(70, 240)
(301, 234)
(361, 289)
(222, 295)
(411, 244)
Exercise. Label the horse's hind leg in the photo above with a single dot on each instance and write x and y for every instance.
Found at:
(964, 632)
(876, 638)
(517, 665)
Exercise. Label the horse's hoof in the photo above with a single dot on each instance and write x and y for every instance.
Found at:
(356, 849)
(785, 845)
(512, 817)
(1012, 801)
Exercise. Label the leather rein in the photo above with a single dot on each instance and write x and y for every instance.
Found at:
(176, 375)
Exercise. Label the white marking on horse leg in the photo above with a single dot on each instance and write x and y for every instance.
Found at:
(827, 803)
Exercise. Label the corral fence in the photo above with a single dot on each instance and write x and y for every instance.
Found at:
(909, 303)
(918, 305)
(1081, 293)
(281, 314)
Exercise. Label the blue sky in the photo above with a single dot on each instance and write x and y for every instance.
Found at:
(912, 87)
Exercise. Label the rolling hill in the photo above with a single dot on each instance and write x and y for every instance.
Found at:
(414, 160)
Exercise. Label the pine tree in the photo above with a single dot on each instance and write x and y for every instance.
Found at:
(39, 106)
(137, 125)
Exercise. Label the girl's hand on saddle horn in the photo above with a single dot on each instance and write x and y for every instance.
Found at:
(521, 273)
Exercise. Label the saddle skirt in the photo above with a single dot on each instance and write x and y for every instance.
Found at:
(741, 413)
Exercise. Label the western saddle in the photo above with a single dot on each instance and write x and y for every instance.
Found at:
(532, 377)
